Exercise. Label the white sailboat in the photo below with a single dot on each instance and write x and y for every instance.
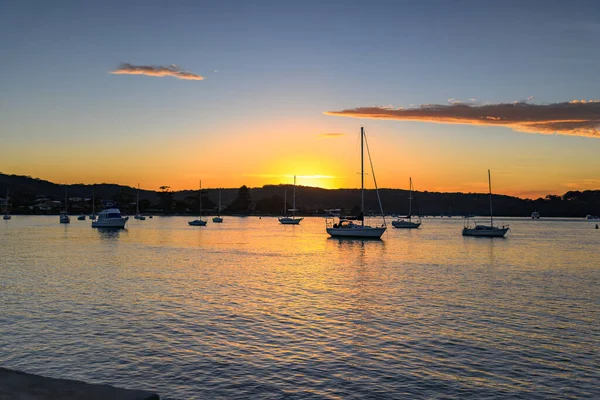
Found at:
(486, 230)
(137, 206)
(347, 228)
(285, 220)
(218, 219)
(64, 217)
(407, 222)
(199, 221)
(6, 215)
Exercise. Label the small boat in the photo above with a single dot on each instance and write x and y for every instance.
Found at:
(81, 217)
(6, 215)
(137, 206)
(486, 230)
(64, 217)
(407, 222)
(346, 228)
(218, 219)
(110, 218)
(535, 215)
(285, 220)
(199, 221)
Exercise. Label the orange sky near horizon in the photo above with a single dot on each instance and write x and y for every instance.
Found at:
(259, 156)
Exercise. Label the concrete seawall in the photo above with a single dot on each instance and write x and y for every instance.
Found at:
(24, 386)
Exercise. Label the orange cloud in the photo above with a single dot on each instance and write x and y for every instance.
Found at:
(153, 70)
(580, 118)
(331, 135)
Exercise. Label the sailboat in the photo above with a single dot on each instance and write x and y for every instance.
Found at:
(407, 222)
(199, 221)
(347, 228)
(64, 218)
(137, 206)
(92, 216)
(6, 215)
(218, 219)
(290, 220)
(486, 230)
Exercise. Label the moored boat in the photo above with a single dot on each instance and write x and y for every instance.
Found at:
(346, 228)
(110, 218)
(486, 230)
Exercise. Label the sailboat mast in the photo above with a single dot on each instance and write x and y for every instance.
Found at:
(137, 201)
(6, 203)
(65, 200)
(490, 185)
(93, 203)
(294, 199)
(410, 198)
(362, 176)
(284, 203)
(219, 211)
(200, 198)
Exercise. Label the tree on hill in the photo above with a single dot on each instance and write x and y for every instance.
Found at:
(270, 205)
(242, 203)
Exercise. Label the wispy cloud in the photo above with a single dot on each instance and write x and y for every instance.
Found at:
(291, 176)
(331, 135)
(156, 70)
(575, 118)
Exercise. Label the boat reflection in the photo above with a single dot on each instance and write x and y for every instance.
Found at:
(110, 233)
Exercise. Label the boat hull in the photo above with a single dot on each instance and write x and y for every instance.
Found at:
(405, 224)
(140, 217)
(110, 223)
(493, 232)
(197, 222)
(6, 217)
(81, 218)
(290, 221)
(217, 220)
(357, 232)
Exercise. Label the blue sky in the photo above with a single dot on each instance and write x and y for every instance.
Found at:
(273, 63)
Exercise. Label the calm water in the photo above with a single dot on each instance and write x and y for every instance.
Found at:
(251, 308)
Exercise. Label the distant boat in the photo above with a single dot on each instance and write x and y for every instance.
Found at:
(486, 230)
(407, 222)
(218, 218)
(535, 215)
(6, 215)
(137, 206)
(64, 217)
(81, 217)
(110, 218)
(285, 220)
(347, 228)
(199, 221)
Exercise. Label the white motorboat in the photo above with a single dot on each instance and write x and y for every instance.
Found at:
(486, 230)
(64, 217)
(286, 220)
(218, 219)
(6, 215)
(348, 229)
(110, 218)
(407, 222)
(199, 221)
(137, 206)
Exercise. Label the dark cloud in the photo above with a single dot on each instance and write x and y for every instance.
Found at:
(576, 118)
(155, 70)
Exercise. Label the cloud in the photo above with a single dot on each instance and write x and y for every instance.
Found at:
(331, 135)
(576, 118)
(155, 70)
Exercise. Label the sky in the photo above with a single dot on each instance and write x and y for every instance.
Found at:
(236, 92)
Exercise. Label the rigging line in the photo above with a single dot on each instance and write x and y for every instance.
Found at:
(375, 181)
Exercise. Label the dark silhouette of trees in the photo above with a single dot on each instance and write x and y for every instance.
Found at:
(166, 199)
(271, 205)
(242, 203)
